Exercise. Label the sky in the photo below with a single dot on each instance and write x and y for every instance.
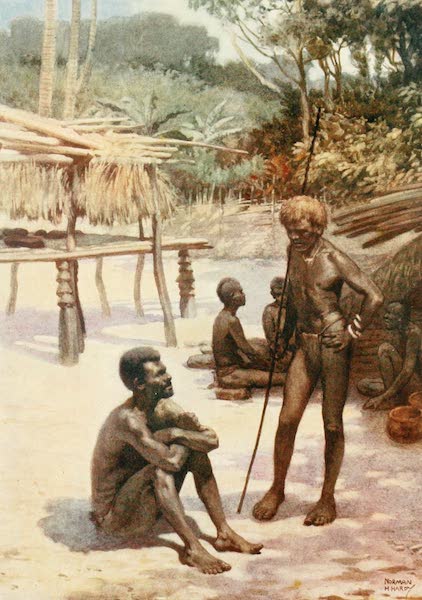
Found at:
(9, 9)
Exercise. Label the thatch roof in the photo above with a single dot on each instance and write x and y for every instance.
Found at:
(390, 215)
(401, 275)
(44, 163)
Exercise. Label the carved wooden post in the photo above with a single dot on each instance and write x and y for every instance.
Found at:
(186, 283)
(99, 282)
(11, 305)
(69, 334)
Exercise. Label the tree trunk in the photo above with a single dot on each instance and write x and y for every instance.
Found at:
(304, 98)
(87, 67)
(48, 59)
(72, 62)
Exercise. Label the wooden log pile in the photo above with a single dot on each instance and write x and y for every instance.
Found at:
(27, 137)
(390, 215)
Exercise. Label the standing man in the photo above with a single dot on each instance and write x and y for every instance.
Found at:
(317, 273)
(143, 452)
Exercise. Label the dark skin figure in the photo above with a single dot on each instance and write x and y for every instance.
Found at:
(398, 368)
(167, 454)
(232, 349)
(317, 273)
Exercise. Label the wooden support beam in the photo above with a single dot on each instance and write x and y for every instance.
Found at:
(11, 304)
(186, 283)
(68, 320)
(99, 282)
(160, 281)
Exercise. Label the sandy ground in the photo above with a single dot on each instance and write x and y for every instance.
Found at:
(50, 416)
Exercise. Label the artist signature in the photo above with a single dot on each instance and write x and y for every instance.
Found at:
(402, 585)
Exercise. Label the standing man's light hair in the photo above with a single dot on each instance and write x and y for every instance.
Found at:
(297, 208)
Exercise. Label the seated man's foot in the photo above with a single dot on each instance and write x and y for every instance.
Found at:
(199, 558)
(265, 509)
(229, 540)
(322, 513)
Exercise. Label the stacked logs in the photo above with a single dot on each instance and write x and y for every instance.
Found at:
(390, 215)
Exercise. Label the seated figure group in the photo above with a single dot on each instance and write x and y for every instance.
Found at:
(240, 362)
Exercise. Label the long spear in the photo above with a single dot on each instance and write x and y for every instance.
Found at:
(277, 334)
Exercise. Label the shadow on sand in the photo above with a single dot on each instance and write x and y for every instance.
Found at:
(69, 523)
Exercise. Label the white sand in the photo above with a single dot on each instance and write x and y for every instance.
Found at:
(50, 416)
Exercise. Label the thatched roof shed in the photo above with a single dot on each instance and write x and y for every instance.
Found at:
(98, 169)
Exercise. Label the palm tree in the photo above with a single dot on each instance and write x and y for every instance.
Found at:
(48, 58)
(73, 83)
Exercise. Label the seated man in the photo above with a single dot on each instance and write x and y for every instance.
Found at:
(270, 317)
(399, 361)
(239, 363)
(143, 452)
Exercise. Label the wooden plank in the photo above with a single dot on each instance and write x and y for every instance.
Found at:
(26, 136)
(44, 125)
(387, 223)
(377, 216)
(94, 120)
(38, 148)
(139, 247)
(47, 159)
(344, 216)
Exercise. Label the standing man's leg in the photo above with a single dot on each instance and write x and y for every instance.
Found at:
(335, 382)
(300, 382)
(227, 539)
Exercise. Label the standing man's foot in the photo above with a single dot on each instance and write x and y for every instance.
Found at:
(229, 540)
(267, 507)
(322, 513)
(199, 558)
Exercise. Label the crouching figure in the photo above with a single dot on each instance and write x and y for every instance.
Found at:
(143, 452)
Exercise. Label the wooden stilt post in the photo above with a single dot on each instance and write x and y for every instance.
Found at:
(186, 283)
(99, 282)
(11, 305)
(138, 276)
(73, 265)
(69, 335)
(160, 281)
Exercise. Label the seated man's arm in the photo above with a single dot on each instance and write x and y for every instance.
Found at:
(268, 325)
(408, 368)
(237, 333)
(133, 430)
(188, 431)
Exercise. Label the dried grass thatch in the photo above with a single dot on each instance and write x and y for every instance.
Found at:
(34, 191)
(398, 277)
(122, 192)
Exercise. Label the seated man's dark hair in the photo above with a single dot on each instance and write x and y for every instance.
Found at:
(132, 362)
(406, 308)
(277, 282)
(225, 288)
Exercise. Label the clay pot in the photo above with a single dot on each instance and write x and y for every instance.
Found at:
(403, 424)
